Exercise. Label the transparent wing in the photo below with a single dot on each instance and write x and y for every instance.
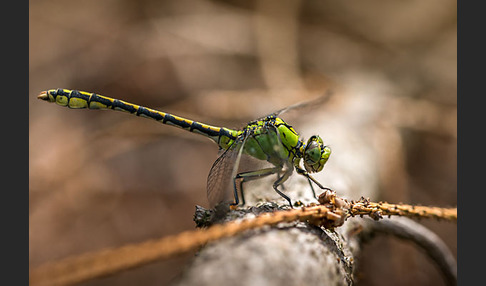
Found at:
(220, 179)
(306, 104)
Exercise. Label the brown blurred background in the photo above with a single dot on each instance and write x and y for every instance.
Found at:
(104, 179)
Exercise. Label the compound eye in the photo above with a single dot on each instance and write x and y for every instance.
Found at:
(315, 154)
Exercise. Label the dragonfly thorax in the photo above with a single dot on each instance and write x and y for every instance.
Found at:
(271, 139)
(315, 154)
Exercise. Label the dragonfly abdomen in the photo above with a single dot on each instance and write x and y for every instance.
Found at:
(76, 99)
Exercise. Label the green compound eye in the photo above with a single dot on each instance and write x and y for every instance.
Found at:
(315, 154)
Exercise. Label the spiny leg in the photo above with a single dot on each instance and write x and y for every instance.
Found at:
(249, 176)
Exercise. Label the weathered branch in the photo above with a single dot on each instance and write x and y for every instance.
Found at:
(294, 253)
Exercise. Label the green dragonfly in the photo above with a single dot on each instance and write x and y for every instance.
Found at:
(268, 139)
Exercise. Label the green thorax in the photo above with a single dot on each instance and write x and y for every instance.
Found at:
(271, 139)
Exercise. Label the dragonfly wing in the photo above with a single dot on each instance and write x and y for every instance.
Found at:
(220, 179)
(310, 103)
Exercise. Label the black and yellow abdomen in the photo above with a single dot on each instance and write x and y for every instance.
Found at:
(80, 99)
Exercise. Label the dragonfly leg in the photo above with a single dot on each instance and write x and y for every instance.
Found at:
(279, 182)
(237, 201)
(249, 176)
(310, 179)
(312, 188)
(278, 178)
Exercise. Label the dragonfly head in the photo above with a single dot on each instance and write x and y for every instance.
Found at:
(315, 154)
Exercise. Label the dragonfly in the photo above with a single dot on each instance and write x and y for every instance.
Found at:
(268, 138)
